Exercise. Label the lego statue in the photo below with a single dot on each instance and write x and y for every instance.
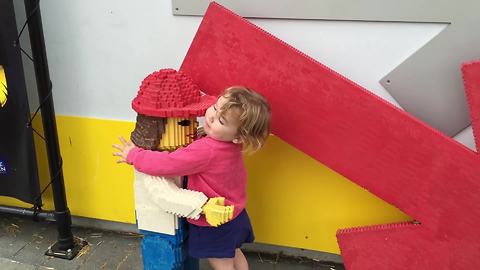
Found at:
(168, 103)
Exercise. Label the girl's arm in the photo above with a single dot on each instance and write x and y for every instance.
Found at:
(185, 161)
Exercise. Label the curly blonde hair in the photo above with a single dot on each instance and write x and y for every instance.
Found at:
(255, 116)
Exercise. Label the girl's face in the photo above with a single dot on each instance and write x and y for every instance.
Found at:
(222, 128)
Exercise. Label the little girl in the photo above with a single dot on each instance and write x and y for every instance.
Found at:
(239, 120)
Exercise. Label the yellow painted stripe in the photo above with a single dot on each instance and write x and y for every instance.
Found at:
(96, 186)
(293, 200)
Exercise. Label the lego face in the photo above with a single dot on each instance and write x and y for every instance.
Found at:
(178, 132)
(166, 134)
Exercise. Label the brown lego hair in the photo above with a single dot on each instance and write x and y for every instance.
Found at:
(254, 116)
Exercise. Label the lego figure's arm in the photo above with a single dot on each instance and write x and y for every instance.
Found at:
(164, 193)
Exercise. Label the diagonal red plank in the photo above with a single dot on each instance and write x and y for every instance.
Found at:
(383, 149)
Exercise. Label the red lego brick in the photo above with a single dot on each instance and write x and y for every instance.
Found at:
(170, 93)
(400, 159)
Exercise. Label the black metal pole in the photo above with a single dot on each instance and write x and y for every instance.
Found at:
(48, 215)
(65, 245)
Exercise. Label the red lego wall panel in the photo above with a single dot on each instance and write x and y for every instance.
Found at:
(426, 174)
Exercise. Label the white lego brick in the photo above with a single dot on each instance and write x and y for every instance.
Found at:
(165, 193)
(185, 203)
(150, 217)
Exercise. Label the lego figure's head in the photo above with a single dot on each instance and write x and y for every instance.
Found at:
(167, 104)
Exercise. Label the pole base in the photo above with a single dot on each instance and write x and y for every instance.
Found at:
(68, 254)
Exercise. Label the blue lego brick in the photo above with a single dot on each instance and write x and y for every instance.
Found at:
(179, 237)
(171, 238)
(167, 252)
(160, 252)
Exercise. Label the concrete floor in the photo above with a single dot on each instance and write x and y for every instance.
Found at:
(23, 243)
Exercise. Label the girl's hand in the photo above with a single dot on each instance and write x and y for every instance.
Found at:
(124, 149)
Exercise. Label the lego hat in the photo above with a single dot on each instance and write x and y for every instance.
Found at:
(170, 93)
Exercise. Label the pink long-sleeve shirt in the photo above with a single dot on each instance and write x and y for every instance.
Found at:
(213, 167)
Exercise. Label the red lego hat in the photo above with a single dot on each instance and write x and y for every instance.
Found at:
(170, 93)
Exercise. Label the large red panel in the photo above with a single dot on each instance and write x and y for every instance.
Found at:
(383, 149)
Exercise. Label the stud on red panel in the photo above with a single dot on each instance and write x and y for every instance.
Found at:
(383, 149)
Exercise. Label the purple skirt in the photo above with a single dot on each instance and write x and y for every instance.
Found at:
(221, 241)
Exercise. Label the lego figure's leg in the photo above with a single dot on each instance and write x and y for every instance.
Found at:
(168, 252)
(190, 263)
(162, 251)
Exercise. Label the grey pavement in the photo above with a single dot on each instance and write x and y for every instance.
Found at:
(23, 243)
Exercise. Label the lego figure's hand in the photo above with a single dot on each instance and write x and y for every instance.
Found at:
(216, 212)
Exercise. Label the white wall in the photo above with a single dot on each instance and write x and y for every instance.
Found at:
(99, 51)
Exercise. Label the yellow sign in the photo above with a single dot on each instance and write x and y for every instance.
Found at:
(3, 88)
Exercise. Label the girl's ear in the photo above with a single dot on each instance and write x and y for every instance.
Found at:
(237, 140)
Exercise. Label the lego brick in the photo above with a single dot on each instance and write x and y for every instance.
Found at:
(149, 216)
(164, 193)
(159, 253)
(162, 251)
(170, 93)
